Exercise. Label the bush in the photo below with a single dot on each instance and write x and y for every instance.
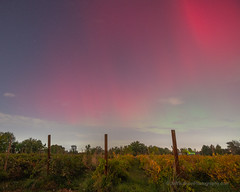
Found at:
(63, 168)
(117, 172)
(21, 166)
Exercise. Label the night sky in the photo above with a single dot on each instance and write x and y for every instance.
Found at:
(134, 69)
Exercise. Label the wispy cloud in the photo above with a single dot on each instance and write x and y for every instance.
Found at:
(25, 127)
(172, 101)
(7, 120)
(63, 133)
(10, 95)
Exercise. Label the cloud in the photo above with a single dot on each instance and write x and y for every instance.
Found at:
(10, 95)
(172, 101)
(25, 127)
(64, 134)
(7, 120)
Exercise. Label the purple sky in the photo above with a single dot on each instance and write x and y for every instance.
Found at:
(132, 69)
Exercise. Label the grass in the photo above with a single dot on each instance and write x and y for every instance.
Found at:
(137, 181)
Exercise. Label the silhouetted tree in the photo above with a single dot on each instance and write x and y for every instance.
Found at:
(116, 150)
(206, 150)
(5, 138)
(96, 150)
(88, 149)
(30, 146)
(219, 150)
(57, 149)
(190, 150)
(165, 151)
(153, 150)
(138, 148)
(234, 147)
(73, 149)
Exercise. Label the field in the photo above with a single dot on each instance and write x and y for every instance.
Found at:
(142, 173)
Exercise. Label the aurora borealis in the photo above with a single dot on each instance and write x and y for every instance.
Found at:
(133, 69)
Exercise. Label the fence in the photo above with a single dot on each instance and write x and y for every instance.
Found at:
(174, 142)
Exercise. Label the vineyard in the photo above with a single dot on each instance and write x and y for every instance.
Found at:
(85, 172)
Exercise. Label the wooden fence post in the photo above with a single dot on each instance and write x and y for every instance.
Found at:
(49, 153)
(9, 147)
(175, 152)
(106, 153)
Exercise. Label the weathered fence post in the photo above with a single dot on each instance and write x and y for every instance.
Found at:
(49, 153)
(9, 147)
(175, 152)
(106, 153)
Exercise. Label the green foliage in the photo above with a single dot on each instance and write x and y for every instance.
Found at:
(93, 150)
(138, 148)
(150, 173)
(22, 165)
(206, 150)
(130, 188)
(32, 167)
(57, 149)
(5, 138)
(117, 172)
(97, 150)
(219, 150)
(88, 149)
(30, 146)
(73, 149)
(234, 147)
(63, 168)
(210, 150)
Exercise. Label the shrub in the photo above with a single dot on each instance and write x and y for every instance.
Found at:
(117, 172)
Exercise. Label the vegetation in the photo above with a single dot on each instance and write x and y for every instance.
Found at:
(135, 167)
(5, 139)
(135, 148)
(27, 172)
(196, 170)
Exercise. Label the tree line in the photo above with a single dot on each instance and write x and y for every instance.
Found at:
(27, 146)
(135, 148)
